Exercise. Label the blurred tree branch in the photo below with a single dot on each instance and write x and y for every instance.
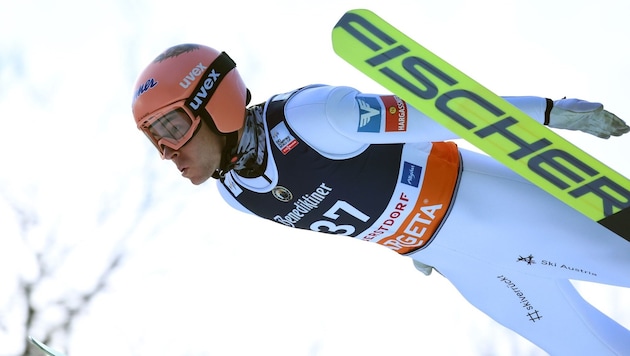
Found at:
(46, 300)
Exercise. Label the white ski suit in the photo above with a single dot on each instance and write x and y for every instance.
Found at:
(374, 168)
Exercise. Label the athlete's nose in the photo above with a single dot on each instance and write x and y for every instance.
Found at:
(169, 153)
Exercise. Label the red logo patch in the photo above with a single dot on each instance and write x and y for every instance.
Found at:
(395, 114)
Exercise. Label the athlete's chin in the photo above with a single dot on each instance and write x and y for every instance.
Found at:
(197, 180)
(195, 176)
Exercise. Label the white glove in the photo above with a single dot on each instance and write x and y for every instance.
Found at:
(576, 114)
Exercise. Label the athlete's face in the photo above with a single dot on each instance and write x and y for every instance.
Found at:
(199, 157)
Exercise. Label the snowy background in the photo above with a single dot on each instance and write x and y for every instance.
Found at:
(79, 183)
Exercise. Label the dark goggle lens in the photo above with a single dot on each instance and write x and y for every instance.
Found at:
(173, 126)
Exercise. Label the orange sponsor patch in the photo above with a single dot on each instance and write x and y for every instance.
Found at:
(441, 175)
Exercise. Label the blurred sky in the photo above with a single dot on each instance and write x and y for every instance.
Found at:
(209, 280)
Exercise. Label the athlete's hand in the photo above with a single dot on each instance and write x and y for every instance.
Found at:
(575, 114)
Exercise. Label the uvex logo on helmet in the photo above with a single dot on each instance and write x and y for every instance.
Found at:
(194, 73)
(208, 83)
(204, 91)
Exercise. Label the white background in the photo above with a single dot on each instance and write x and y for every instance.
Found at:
(205, 280)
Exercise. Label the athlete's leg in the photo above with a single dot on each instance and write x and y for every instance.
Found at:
(548, 312)
(510, 249)
(499, 217)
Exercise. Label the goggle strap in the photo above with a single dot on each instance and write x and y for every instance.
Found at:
(209, 82)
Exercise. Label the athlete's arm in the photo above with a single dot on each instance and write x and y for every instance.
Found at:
(340, 121)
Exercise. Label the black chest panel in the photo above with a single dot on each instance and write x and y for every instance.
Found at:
(321, 194)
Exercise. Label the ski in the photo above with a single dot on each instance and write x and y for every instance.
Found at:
(49, 351)
(483, 118)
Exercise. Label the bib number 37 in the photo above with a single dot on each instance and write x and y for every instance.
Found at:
(332, 214)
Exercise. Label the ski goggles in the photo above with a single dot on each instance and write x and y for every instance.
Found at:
(172, 127)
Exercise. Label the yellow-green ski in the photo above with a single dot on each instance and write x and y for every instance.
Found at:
(483, 118)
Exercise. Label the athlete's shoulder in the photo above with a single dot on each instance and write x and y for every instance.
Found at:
(311, 113)
(322, 102)
(317, 94)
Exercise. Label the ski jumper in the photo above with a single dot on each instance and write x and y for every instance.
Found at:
(373, 168)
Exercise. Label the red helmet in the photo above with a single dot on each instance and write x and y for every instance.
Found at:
(185, 83)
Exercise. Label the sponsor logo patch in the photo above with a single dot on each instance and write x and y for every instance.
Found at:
(529, 260)
(395, 114)
(370, 115)
(281, 193)
(282, 138)
(411, 174)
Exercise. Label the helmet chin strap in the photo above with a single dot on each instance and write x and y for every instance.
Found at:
(228, 156)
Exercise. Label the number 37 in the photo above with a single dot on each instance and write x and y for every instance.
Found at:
(332, 214)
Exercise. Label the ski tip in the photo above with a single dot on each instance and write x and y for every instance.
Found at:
(34, 341)
(45, 348)
(353, 16)
(360, 25)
